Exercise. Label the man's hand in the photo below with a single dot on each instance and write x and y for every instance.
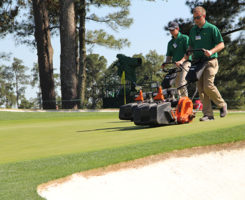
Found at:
(207, 53)
(179, 63)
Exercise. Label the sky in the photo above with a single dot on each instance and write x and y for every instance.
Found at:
(145, 34)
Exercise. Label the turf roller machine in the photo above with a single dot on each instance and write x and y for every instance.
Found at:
(161, 108)
(164, 108)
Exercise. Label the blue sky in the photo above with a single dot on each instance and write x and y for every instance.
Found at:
(145, 34)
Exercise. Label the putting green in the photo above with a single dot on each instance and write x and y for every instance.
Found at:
(30, 136)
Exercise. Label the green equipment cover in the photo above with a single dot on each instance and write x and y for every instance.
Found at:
(128, 65)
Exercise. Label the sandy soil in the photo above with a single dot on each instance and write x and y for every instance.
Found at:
(204, 173)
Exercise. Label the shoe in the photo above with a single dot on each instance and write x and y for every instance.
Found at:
(223, 111)
(206, 118)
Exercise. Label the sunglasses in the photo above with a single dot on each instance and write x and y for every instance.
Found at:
(197, 17)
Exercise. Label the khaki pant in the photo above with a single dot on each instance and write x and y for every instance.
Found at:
(207, 90)
(180, 80)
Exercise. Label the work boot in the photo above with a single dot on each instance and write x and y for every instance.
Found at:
(206, 118)
(223, 111)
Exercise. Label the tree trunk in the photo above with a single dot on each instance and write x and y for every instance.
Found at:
(45, 53)
(82, 48)
(68, 71)
(17, 91)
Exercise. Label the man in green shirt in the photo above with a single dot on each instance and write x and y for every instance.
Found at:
(177, 47)
(207, 36)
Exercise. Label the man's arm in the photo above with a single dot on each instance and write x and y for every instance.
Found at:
(168, 59)
(186, 57)
(217, 48)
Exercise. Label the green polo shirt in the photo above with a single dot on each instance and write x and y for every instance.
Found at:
(206, 37)
(177, 47)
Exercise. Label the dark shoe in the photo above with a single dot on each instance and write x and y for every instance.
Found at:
(206, 118)
(223, 111)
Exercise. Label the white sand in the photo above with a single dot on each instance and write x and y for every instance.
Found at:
(216, 175)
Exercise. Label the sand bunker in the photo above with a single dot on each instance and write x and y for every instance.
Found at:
(216, 172)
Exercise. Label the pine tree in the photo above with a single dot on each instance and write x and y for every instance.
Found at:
(68, 70)
(96, 66)
(45, 53)
(99, 37)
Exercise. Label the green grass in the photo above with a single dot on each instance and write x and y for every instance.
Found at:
(38, 147)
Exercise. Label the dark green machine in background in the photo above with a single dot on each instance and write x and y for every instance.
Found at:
(128, 65)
